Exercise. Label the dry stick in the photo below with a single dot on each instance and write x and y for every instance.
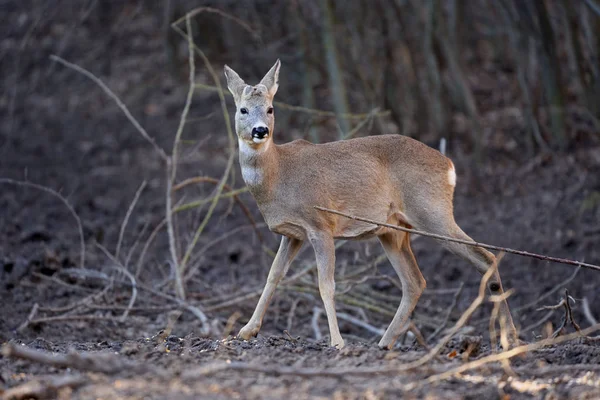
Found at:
(113, 96)
(320, 113)
(450, 310)
(239, 201)
(64, 201)
(192, 46)
(106, 363)
(127, 216)
(467, 242)
(44, 388)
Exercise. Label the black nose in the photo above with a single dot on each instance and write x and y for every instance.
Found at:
(260, 132)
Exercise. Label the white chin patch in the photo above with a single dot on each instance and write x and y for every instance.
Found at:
(259, 140)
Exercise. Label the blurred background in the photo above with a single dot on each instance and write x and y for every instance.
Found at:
(511, 86)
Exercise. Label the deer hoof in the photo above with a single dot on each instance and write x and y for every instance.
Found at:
(248, 332)
(385, 345)
(338, 344)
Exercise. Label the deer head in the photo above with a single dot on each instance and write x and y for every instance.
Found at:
(254, 116)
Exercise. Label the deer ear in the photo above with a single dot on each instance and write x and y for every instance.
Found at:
(271, 79)
(235, 84)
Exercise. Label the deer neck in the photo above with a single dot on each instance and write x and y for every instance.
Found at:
(259, 169)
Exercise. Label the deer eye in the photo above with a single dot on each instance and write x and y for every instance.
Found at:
(270, 110)
(244, 110)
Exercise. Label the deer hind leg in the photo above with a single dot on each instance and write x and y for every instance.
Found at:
(324, 248)
(477, 256)
(397, 248)
(288, 249)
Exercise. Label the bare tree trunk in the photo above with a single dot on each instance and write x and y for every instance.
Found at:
(551, 73)
(459, 88)
(333, 69)
(308, 97)
(432, 83)
(520, 43)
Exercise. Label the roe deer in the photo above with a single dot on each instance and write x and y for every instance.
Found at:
(388, 178)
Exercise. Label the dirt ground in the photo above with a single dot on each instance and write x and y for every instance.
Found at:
(59, 130)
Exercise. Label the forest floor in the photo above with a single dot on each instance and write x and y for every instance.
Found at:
(60, 131)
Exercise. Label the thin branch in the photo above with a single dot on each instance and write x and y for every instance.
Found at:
(116, 99)
(467, 242)
(127, 216)
(223, 14)
(172, 168)
(64, 201)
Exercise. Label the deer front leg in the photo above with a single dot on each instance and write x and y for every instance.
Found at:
(288, 249)
(325, 253)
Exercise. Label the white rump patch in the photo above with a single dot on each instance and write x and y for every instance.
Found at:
(452, 176)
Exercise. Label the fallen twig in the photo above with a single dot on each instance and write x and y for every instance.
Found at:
(44, 388)
(467, 242)
(105, 363)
